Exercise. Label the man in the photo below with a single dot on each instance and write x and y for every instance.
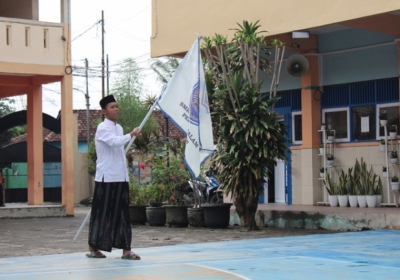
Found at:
(110, 225)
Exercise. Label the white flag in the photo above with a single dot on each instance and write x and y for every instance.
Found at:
(185, 102)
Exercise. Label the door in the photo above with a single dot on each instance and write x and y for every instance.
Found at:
(280, 182)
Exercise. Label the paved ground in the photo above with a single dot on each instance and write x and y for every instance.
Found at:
(46, 236)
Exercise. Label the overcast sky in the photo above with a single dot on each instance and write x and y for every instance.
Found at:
(127, 34)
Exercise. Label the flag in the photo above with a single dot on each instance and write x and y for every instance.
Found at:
(185, 102)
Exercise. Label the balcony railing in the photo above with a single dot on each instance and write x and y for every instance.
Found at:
(31, 42)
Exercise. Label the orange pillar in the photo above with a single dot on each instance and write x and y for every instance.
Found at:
(67, 145)
(311, 104)
(35, 146)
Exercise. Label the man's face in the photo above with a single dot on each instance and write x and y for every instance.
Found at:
(111, 111)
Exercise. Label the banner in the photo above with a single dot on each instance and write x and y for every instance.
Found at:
(185, 102)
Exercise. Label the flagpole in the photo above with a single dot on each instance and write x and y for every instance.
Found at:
(126, 150)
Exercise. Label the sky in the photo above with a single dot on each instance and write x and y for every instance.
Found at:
(127, 35)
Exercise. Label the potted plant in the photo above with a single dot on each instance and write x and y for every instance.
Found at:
(171, 173)
(321, 172)
(155, 212)
(138, 201)
(332, 190)
(331, 135)
(384, 171)
(393, 131)
(383, 118)
(330, 159)
(322, 126)
(395, 183)
(382, 145)
(393, 157)
(343, 199)
(352, 188)
(237, 98)
(321, 149)
(378, 192)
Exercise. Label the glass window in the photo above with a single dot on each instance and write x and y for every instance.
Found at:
(392, 111)
(297, 128)
(337, 120)
(363, 123)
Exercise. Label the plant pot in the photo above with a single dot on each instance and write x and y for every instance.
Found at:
(321, 175)
(137, 214)
(378, 200)
(321, 151)
(331, 138)
(333, 200)
(217, 215)
(384, 174)
(176, 215)
(394, 186)
(196, 217)
(322, 127)
(383, 122)
(329, 162)
(353, 201)
(156, 216)
(382, 148)
(362, 201)
(371, 201)
(343, 200)
(393, 135)
(393, 160)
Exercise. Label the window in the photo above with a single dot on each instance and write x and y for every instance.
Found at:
(392, 111)
(297, 128)
(363, 120)
(337, 119)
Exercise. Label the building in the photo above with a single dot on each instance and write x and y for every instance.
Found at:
(32, 54)
(352, 49)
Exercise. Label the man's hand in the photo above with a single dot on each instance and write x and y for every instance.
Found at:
(135, 132)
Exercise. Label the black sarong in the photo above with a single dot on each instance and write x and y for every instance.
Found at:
(110, 225)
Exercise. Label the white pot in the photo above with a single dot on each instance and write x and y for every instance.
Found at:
(382, 148)
(371, 201)
(321, 175)
(353, 201)
(333, 200)
(393, 135)
(393, 160)
(321, 151)
(343, 200)
(378, 200)
(331, 138)
(362, 201)
(394, 186)
(383, 122)
(384, 174)
(329, 162)
(322, 127)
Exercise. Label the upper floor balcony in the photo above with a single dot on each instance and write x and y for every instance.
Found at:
(33, 42)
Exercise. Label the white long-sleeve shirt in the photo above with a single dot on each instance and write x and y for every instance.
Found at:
(111, 162)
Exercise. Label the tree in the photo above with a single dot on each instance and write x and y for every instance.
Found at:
(5, 109)
(249, 139)
(165, 69)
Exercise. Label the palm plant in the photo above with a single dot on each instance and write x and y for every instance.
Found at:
(331, 186)
(249, 139)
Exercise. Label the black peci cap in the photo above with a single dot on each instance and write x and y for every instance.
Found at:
(106, 100)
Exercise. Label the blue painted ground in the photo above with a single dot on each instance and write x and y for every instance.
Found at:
(352, 255)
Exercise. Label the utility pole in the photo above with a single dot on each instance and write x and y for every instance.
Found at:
(108, 77)
(88, 120)
(102, 55)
